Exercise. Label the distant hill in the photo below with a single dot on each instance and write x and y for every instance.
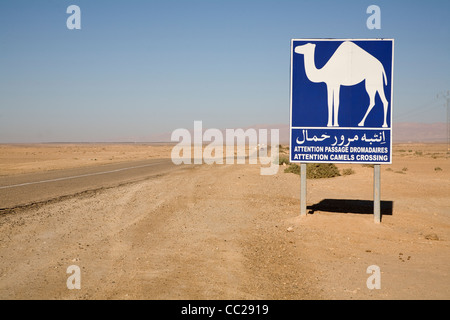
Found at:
(420, 132)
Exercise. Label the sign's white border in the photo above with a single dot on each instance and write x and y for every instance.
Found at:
(356, 128)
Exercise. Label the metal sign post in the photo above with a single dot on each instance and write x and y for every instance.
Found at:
(376, 193)
(303, 189)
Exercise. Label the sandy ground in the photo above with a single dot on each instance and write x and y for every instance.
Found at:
(226, 232)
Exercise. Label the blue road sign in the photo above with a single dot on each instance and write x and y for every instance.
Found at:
(341, 100)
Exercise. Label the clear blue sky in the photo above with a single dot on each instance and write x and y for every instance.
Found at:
(138, 68)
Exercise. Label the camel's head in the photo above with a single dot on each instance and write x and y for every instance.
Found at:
(309, 47)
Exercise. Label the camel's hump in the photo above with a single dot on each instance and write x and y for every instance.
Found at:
(348, 47)
(350, 64)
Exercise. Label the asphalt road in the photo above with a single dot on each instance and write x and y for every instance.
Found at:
(25, 189)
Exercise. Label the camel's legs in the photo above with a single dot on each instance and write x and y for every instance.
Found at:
(336, 105)
(385, 104)
(371, 94)
(330, 106)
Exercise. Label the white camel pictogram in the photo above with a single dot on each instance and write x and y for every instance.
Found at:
(348, 66)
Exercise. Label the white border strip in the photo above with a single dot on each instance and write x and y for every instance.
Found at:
(331, 128)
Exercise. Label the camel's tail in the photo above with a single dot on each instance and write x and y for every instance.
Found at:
(385, 78)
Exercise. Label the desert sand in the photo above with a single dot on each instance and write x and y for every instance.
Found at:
(226, 232)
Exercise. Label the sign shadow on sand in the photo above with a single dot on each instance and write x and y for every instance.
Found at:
(351, 206)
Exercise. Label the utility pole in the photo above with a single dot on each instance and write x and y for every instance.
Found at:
(446, 96)
(448, 120)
